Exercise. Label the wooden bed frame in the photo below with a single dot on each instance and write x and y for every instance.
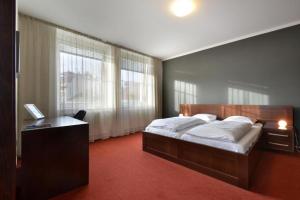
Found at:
(234, 168)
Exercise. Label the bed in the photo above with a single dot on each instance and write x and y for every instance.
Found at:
(233, 164)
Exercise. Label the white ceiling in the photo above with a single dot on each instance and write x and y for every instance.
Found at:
(149, 27)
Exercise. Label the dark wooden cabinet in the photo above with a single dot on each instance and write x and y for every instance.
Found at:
(278, 139)
(7, 100)
(54, 159)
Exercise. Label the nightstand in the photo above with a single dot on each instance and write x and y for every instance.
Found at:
(278, 139)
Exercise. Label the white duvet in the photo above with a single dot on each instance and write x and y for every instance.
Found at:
(229, 131)
(176, 123)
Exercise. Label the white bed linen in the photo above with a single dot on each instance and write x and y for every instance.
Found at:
(228, 131)
(242, 146)
(176, 123)
(166, 132)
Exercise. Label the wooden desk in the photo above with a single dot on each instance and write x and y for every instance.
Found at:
(54, 159)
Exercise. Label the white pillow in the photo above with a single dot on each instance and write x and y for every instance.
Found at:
(206, 117)
(239, 119)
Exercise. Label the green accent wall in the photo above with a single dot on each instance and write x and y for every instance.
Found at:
(264, 69)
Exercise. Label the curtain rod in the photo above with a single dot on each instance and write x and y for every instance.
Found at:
(85, 35)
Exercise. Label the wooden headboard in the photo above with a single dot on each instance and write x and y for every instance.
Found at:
(261, 113)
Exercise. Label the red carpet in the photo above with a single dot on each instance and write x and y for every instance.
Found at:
(120, 170)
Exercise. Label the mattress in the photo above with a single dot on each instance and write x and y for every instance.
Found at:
(242, 146)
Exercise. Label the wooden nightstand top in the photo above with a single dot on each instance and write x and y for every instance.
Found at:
(274, 126)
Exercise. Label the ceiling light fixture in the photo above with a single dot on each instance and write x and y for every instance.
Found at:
(181, 8)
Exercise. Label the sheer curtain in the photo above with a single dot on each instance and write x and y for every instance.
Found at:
(86, 80)
(137, 91)
(63, 72)
(37, 65)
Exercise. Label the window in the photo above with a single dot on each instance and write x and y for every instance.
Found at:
(85, 77)
(137, 81)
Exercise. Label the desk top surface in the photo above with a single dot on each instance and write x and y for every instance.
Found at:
(52, 123)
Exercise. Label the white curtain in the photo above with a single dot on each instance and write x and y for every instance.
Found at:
(86, 81)
(137, 91)
(119, 89)
(37, 65)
